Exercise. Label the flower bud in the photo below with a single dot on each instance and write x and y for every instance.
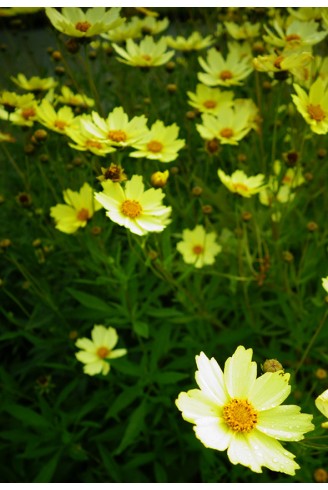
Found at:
(159, 179)
(272, 366)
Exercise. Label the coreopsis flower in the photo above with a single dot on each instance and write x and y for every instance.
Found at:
(72, 21)
(68, 97)
(325, 283)
(229, 126)
(114, 172)
(152, 26)
(58, 121)
(18, 109)
(6, 137)
(307, 13)
(146, 54)
(194, 42)
(246, 30)
(134, 208)
(159, 179)
(84, 140)
(235, 411)
(210, 100)
(240, 184)
(11, 101)
(79, 208)
(292, 61)
(321, 401)
(128, 30)
(198, 247)
(296, 34)
(96, 352)
(159, 143)
(34, 84)
(226, 72)
(314, 105)
(13, 11)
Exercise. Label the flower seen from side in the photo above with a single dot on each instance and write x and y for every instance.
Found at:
(96, 353)
(246, 30)
(239, 183)
(321, 401)
(134, 208)
(292, 61)
(198, 247)
(313, 106)
(34, 84)
(194, 42)
(68, 97)
(145, 54)
(234, 410)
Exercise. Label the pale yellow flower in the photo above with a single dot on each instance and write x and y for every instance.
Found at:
(98, 350)
(307, 13)
(235, 411)
(240, 184)
(292, 61)
(58, 121)
(210, 100)
(194, 42)
(321, 401)
(128, 30)
(68, 97)
(145, 54)
(198, 247)
(245, 30)
(34, 84)
(296, 34)
(18, 109)
(314, 105)
(84, 140)
(152, 26)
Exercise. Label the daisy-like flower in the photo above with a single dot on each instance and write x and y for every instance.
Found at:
(160, 143)
(34, 84)
(314, 105)
(18, 109)
(114, 172)
(11, 101)
(128, 30)
(146, 54)
(325, 283)
(321, 401)
(152, 26)
(78, 210)
(84, 140)
(72, 21)
(195, 42)
(307, 13)
(6, 137)
(210, 100)
(239, 183)
(290, 61)
(226, 72)
(235, 411)
(296, 34)
(68, 97)
(198, 247)
(246, 30)
(134, 208)
(95, 353)
(58, 121)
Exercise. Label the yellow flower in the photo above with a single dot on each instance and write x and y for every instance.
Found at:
(95, 352)
(18, 109)
(293, 61)
(198, 247)
(148, 53)
(194, 42)
(13, 11)
(160, 143)
(210, 100)
(240, 184)
(114, 172)
(307, 13)
(128, 30)
(314, 105)
(34, 84)
(159, 179)
(325, 283)
(246, 30)
(151, 26)
(10, 100)
(322, 400)
(58, 121)
(226, 72)
(75, 100)
(84, 140)
(134, 208)
(78, 210)
(235, 411)
(296, 34)
(72, 21)
(6, 137)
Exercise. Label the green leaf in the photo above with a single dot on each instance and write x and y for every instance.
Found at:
(90, 301)
(123, 400)
(27, 416)
(109, 463)
(134, 427)
(141, 328)
(169, 377)
(48, 470)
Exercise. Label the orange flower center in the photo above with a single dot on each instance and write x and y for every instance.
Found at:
(131, 208)
(102, 352)
(83, 215)
(146, 57)
(82, 26)
(197, 249)
(240, 187)
(240, 415)
(225, 75)
(60, 124)
(154, 146)
(117, 135)
(293, 37)
(210, 104)
(316, 112)
(93, 144)
(226, 133)
(277, 63)
(28, 112)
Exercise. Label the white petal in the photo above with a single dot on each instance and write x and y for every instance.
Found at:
(195, 405)
(214, 434)
(240, 373)
(285, 423)
(209, 378)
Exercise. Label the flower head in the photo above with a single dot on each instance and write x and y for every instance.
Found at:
(240, 184)
(58, 121)
(96, 352)
(198, 247)
(235, 411)
(194, 42)
(314, 105)
(321, 403)
(210, 100)
(297, 34)
(134, 208)
(146, 54)
(75, 100)
(34, 84)
(244, 31)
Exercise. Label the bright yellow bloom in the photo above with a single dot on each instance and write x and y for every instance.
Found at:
(296, 34)
(293, 61)
(325, 283)
(246, 30)
(146, 54)
(84, 140)
(240, 184)
(194, 42)
(160, 143)
(210, 100)
(18, 109)
(72, 21)
(10, 100)
(78, 210)
(58, 121)
(34, 84)
(307, 13)
(322, 400)
(226, 72)
(75, 100)
(159, 179)
(134, 208)
(314, 105)
(128, 30)
(235, 411)
(96, 352)
(198, 247)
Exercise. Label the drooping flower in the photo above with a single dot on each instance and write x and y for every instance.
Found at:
(321, 401)
(198, 247)
(134, 208)
(34, 84)
(72, 21)
(58, 121)
(194, 42)
(96, 352)
(210, 100)
(78, 210)
(314, 105)
(240, 184)
(151, 26)
(235, 411)
(146, 54)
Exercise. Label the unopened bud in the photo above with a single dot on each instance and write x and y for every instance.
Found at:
(320, 475)
(312, 226)
(321, 373)
(272, 366)
(159, 179)
(197, 191)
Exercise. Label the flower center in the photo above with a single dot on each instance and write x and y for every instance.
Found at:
(155, 146)
(240, 415)
(82, 26)
(226, 133)
(197, 249)
(117, 135)
(316, 112)
(60, 124)
(28, 112)
(293, 37)
(277, 63)
(93, 144)
(146, 57)
(131, 208)
(83, 215)
(240, 187)
(225, 75)
(210, 104)
(102, 352)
